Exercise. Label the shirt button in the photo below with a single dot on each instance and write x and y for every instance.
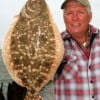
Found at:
(90, 67)
(93, 96)
(91, 81)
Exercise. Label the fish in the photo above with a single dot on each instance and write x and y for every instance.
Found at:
(33, 48)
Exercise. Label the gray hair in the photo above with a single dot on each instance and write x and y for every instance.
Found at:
(89, 9)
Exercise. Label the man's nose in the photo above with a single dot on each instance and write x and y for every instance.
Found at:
(75, 16)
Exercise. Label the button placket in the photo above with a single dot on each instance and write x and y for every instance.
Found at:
(91, 81)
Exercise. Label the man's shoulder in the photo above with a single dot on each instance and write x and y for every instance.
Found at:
(94, 29)
(65, 35)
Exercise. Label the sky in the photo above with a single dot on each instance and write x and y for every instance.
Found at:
(11, 8)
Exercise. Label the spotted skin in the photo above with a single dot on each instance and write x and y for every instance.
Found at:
(33, 48)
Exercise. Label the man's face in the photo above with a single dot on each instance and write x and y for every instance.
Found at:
(76, 18)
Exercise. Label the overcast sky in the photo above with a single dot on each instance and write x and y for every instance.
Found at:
(10, 8)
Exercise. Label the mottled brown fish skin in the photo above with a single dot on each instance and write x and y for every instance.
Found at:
(32, 48)
(32, 95)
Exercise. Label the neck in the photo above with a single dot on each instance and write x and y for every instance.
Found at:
(81, 38)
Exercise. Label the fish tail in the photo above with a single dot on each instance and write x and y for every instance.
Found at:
(31, 95)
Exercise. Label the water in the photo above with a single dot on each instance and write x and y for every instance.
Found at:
(46, 92)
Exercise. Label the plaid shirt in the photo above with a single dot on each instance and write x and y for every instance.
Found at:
(80, 77)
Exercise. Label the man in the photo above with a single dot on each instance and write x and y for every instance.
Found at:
(78, 77)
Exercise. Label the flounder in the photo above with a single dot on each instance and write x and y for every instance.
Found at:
(33, 48)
